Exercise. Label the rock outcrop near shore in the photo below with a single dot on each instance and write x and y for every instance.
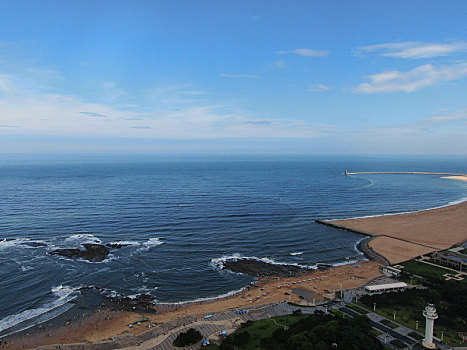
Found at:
(92, 252)
(260, 268)
(99, 297)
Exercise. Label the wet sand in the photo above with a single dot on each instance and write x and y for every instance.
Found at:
(106, 324)
(410, 235)
(463, 177)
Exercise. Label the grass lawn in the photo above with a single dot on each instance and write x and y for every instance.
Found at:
(397, 343)
(358, 309)
(407, 317)
(389, 324)
(336, 312)
(424, 270)
(415, 335)
(265, 328)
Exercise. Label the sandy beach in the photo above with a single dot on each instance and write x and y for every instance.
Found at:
(105, 324)
(404, 236)
(396, 237)
(462, 178)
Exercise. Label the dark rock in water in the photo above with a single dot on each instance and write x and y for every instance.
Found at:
(140, 303)
(34, 244)
(92, 252)
(323, 266)
(116, 245)
(260, 268)
(143, 303)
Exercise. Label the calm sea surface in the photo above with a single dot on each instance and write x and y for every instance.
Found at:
(180, 217)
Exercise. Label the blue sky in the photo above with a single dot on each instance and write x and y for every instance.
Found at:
(374, 77)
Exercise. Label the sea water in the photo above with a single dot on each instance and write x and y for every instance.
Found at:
(179, 218)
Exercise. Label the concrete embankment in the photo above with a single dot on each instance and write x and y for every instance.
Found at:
(340, 227)
(370, 254)
(363, 246)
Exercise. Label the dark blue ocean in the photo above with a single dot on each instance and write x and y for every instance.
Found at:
(181, 216)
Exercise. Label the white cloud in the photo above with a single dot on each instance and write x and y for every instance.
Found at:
(248, 76)
(415, 49)
(111, 93)
(426, 75)
(280, 64)
(319, 87)
(28, 113)
(304, 52)
(173, 96)
(448, 117)
(5, 84)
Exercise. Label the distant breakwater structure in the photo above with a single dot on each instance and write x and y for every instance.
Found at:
(363, 245)
(400, 172)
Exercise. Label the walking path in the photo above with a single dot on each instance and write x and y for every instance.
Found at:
(225, 321)
(162, 336)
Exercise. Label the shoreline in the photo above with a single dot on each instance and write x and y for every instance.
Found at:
(98, 323)
(102, 324)
(332, 222)
(400, 237)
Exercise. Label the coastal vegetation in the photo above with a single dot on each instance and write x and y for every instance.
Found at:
(190, 337)
(398, 343)
(449, 298)
(358, 309)
(426, 271)
(299, 332)
(389, 323)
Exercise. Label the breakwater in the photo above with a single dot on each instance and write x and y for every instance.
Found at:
(363, 246)
(402, 172)
(340, 227)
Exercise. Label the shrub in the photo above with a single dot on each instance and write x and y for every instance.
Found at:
(190, 337)
(398, 343)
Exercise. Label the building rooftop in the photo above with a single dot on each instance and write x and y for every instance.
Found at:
(377, 287)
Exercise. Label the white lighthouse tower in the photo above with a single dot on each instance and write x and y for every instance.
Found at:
(430, 316)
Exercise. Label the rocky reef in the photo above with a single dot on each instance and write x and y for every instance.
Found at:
(92, 252)
(261, 268)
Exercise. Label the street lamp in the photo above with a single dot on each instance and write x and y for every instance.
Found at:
(374, 306)
(416, 325)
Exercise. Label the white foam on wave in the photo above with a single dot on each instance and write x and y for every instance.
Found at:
(150, 243)
(219, 262)
(21, 242)
(104, 291)
(83, 238)
(363, 178)
(64, 294)
(126, 243)
(206, 299)
(346, 262)
(296, 253)
(355, 246)
(144, 289)
(63, 291)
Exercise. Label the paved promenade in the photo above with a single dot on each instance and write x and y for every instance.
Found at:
(162, 336)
